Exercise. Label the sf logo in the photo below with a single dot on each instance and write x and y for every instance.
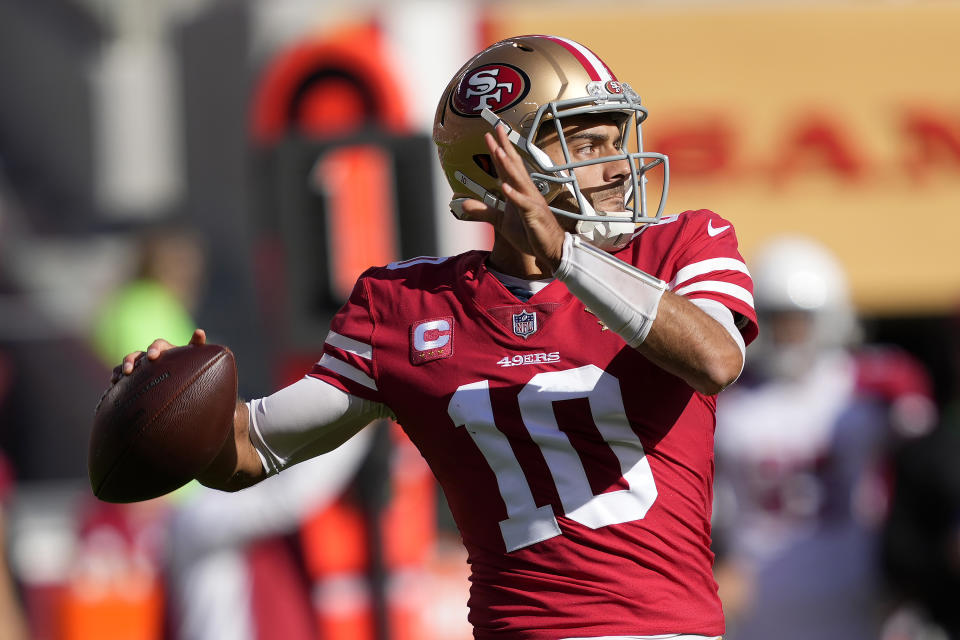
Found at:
(484, 85)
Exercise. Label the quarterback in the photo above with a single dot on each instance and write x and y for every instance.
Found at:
(562, 386)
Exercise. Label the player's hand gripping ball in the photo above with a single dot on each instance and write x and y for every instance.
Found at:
(163, 424)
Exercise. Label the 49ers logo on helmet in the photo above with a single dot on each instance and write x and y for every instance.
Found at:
(614, 86)
(492, 86)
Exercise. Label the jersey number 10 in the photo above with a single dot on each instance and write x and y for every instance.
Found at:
(526, 523)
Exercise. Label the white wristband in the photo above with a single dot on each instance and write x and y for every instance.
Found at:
(623, 297)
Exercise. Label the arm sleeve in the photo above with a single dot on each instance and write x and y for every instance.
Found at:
(621, 295)
(306, 419)
(624, 297)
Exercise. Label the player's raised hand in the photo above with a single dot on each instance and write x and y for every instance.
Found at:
(153, 352)
(527, 222)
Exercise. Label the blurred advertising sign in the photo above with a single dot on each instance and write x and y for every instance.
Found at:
(839, 121)
(343, 181)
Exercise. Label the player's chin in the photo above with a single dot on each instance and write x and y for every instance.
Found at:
(610, 205)
(608, 200)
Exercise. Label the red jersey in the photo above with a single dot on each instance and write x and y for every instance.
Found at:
(579, 473)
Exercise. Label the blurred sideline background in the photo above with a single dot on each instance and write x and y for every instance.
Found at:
(287, 144)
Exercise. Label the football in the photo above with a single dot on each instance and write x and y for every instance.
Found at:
(160, 426)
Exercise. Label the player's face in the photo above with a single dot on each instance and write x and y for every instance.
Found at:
(590, 137)
(789, 328)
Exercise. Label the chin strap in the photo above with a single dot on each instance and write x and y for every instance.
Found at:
(456, 205)
(608, 235)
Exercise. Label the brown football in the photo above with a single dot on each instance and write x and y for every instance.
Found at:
(157, 428)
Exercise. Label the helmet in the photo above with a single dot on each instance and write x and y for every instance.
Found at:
(794, 273)
(530, 84)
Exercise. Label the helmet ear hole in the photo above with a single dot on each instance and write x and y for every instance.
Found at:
(485, 163)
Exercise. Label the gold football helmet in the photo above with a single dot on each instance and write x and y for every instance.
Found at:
(532, 82)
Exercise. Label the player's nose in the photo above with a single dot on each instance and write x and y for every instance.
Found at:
(616, 170)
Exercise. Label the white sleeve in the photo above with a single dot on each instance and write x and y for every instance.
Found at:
(625, 298)
(306, 419)
(719, 312)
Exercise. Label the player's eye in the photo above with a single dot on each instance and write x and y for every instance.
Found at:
(584, 148)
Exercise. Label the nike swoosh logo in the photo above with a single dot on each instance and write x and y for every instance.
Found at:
(715, 232)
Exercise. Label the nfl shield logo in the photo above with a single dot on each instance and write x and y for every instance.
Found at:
(525, 323)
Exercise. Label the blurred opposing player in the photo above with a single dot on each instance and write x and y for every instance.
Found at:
(802, 443)
(561, 386)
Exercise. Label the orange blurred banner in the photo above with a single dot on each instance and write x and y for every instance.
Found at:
(839, 121)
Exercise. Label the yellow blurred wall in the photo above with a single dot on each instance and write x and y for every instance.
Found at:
(841, 121)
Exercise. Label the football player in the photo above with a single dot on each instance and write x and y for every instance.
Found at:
(562, 386)
(802, 445)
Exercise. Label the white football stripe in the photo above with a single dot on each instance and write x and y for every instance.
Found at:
(706, 266)
(355, 347)
(595, 62)
(717, 286)
(347, 371)
(393, 266)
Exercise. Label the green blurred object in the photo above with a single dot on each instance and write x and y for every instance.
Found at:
(135, 316)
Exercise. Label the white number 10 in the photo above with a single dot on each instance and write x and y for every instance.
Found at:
(527, 523)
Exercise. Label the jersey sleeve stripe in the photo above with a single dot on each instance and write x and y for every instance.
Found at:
(403, 264)
(717, 286)
(706, 266)
(347, 371)
(719, 312)
(350, 345)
